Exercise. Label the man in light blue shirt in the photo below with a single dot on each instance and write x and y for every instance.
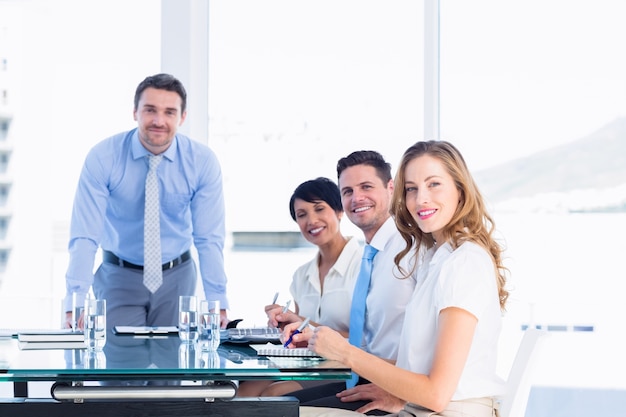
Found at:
(108, 212)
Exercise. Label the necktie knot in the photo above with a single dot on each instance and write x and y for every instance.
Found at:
(369, 252)
(154, 161)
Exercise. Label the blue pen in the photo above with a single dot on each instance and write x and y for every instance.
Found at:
(286, 307)
(298, 330)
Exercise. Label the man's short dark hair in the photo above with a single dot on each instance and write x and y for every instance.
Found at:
(162, 82)
(371, 158)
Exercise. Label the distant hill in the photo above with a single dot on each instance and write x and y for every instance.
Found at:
(595, 162)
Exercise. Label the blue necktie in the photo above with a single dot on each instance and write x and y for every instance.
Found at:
(357, 311)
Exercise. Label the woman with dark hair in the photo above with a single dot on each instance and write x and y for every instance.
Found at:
(448, 346)
(322, 288)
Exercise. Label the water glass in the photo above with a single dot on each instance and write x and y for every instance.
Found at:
(75, 311)
(95, 323)
(210, 325)
(188, 318)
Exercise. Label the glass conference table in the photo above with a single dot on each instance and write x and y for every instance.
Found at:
(151, 376)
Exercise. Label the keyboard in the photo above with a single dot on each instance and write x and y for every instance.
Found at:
(251, 335)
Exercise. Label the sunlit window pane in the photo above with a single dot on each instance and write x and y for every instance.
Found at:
(294, 86)
(534, 94)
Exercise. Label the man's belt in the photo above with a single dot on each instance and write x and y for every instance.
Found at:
(111, 258)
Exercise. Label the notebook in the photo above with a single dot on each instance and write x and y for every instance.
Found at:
(278, 350)
(146, 330)
(52, 345)
(50, 335)
(251, 335)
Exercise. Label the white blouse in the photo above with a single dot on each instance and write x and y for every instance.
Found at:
(331, 308)
(463, 278)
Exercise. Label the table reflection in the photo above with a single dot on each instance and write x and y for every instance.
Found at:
(94, 359)
(129, 352)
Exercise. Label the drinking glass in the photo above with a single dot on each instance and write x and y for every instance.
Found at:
(188, 318)
(95, 323)
(209, 325)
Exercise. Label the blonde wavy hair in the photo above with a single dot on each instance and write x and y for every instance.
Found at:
(470, 222)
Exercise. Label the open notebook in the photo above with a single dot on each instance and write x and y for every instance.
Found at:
(278, 350)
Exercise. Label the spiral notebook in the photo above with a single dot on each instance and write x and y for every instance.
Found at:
(278, 350)
(251, 335)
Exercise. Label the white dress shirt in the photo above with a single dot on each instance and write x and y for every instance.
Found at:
(388, 294)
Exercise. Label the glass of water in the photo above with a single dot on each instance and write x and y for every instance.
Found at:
(95, 323)
(210, 325)
(188, 318)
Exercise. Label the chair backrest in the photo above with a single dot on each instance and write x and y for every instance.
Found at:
(515, 399)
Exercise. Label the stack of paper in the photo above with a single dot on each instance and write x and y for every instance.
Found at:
(51, 339)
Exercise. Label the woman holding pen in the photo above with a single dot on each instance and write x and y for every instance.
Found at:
(322, 288)
(448, 345)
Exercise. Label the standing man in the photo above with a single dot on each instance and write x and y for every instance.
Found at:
(366, 188)
(150, 172)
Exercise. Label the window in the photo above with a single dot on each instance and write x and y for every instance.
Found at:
(303, 87)
(534, 93)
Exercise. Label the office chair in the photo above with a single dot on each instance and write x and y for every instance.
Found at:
(515, 399)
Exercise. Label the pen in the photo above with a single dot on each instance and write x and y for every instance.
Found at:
(286, 307)
(298, 330)
(275, 298)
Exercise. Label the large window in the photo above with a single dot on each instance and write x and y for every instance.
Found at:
(294, 86)
(534, 93)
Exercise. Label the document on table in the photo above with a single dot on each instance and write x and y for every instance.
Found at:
(146, 330)
(251, 335)
(52, 345)
(50, 335)
(278, 350)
